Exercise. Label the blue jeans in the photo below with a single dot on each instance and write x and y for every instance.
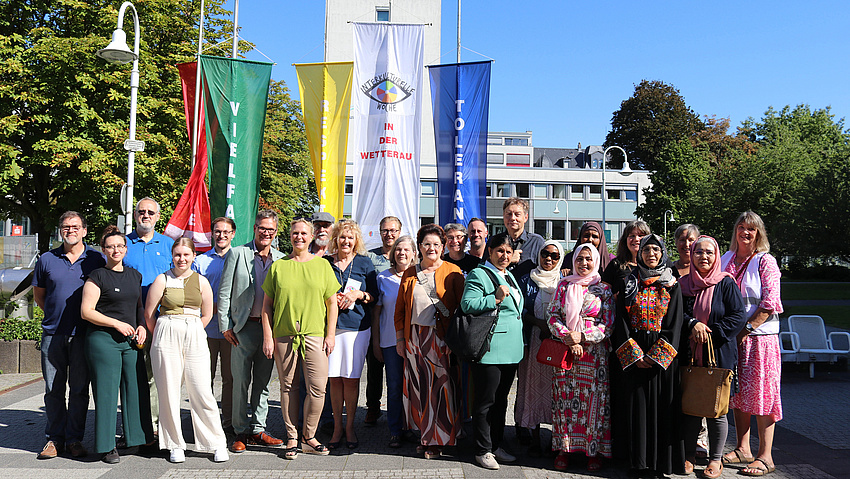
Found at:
(63, 361)
(249, 365)
(395, 378)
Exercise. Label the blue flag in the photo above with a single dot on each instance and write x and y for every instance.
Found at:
(461, 101)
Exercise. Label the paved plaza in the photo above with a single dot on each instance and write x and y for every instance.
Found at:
(812, 441)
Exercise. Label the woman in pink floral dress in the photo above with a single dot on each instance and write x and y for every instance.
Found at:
(582, 315)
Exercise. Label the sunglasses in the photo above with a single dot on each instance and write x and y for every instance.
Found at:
(554, 255)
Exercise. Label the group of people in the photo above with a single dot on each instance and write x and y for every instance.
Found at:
(149, 315)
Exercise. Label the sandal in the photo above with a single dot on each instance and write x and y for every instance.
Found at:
(562, 462)
(712, 473)
(318, 449)
(739, 458)
(290, 452)
(758, 471)
(433, 452)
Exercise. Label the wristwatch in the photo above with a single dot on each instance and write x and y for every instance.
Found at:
(750, 328)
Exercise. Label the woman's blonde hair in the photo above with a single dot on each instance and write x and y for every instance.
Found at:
(346, 224)
(749, 218)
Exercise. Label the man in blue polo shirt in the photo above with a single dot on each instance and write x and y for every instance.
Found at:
(58, 289)
(149, 253)
(210, 264)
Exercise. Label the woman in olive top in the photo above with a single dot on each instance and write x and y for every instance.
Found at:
(299, 329)
(493, 376)
(112, 303)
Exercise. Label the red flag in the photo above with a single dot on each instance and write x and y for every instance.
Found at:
(192, 216)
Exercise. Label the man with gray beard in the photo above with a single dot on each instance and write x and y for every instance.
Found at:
(323, 225)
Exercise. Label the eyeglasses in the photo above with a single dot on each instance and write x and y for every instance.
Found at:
(554, 255)
(264, 230)
(652, 249)
(146, 212)
(390, 231)
(71, 228)
(115, 247)
(456, 237)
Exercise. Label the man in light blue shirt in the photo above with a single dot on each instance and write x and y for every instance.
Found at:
(211, 264)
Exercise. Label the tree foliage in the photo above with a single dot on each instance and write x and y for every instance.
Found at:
(655, 115)
(64, 113)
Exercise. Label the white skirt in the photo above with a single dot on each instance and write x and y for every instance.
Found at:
(349, 354)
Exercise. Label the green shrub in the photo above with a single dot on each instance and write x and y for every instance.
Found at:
(12, 329)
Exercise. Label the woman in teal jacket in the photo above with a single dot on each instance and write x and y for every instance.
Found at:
(493, 376)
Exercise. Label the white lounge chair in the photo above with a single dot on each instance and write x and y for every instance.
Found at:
(806, 341)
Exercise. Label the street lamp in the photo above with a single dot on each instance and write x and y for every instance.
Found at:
(566, 217)
(665, 222)
(625, 171)
(118, 52)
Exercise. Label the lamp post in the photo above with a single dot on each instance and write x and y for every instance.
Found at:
(626, 170)
(566, 218)
(118, 52)
(665, 222)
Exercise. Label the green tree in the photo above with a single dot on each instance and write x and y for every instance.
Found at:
(64, 113)
(655, 115)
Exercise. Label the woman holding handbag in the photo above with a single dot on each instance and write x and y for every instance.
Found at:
(493, 375)
(713, 310)
(534, 379)
(428, 293)
(581, 316)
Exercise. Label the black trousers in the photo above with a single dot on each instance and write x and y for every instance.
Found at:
(491, 384)
(374, 380)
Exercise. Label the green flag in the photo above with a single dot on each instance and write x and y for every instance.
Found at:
(235, 96)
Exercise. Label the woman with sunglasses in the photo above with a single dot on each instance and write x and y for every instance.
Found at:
(534, 380)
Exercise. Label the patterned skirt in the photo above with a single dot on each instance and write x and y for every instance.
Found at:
(534, 387)
(429, 393)
(581, 411)
(759, 373)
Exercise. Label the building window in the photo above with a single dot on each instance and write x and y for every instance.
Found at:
(575, 227)
(494, 140)
(559, 191)
(631, 195)
(613, 195)
(576, 192)
(429, 188)
(504, 190)
(382, 14)
(540, 228)
(518, 160)
(426, 220)
(495, 159)
(541, 191)
(595, 192)
(522, 190)
(516, 141)
(349, 186)
(559, 231)
(495, 225)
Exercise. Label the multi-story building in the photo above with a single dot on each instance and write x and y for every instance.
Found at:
(562, 185)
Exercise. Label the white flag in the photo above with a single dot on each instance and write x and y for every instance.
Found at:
(386, 127)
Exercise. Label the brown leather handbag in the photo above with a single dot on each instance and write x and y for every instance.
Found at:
(705, 390)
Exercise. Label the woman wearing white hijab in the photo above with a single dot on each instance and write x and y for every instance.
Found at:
(534, 380)
(581, 315)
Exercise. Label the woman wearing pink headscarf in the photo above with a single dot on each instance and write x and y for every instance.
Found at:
(712, 306)
(581, 315)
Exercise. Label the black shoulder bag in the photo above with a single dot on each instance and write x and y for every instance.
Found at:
(469, 335)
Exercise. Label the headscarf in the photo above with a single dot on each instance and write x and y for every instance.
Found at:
(604, 256)
(693, 284)
(547, 281)
(574, 295)
(643, 272)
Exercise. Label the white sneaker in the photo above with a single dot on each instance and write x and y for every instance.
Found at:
(504, 456)
(177, 455)
(221, 455)
(487, 461)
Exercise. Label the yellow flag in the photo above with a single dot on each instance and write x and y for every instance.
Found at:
(325, 99)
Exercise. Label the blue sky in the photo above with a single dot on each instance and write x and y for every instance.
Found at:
(562, 67)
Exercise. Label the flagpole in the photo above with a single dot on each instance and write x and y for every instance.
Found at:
(197, 118)
(458, 31)
(235, 29)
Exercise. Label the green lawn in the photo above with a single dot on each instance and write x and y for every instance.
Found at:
(837, 316)
(815, 291)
